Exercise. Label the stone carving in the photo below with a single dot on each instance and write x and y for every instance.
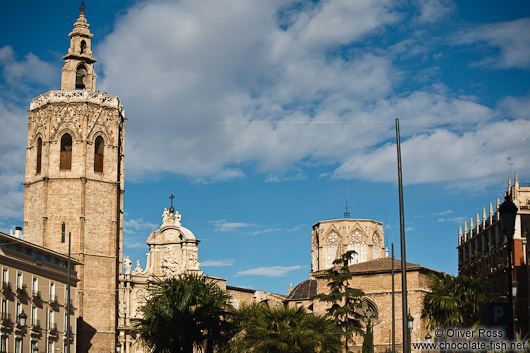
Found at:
(170, 267)
(121, 308)
(138, 268)
(165, 215)
(127, 263)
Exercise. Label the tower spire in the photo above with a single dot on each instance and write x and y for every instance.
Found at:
(346, 214)
(78, 70)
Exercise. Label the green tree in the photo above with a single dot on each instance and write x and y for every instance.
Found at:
(454, 301)
(368, 343)
(346, 301)
(182, 313)
(283, 330)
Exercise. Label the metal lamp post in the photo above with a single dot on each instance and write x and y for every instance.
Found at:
(118, 347)
(428, 338)
(508, 212)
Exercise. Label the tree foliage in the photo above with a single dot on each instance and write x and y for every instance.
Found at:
(182, 313)
(454, 301)
(368, 343)
(261, 329)
(346, 301)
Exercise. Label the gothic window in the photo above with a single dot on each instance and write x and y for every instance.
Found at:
(66, 152)
(376, 247)
(98, 155)
(83, 46)
(369, 309)
(39, 155)
(357, 244)
(80, 76)
(332, 245)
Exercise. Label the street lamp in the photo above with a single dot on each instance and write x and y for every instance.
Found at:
(514, 288)
(410, 325)
(428, 338)
(118, 347)
(508, 212)
(22, 319)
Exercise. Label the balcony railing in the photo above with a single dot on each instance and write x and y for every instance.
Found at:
(36, 294)
(53, 329)
(5, 318)
(22, 290)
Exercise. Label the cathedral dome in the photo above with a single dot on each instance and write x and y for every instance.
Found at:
(171, 231)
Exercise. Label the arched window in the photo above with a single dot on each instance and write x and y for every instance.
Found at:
(39, 155)
(66, 152)
(332, 245)
(98, 154)
(357, 244)
(80, 76)
(83, 46)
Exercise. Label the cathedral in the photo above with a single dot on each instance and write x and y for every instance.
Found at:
(74, 186)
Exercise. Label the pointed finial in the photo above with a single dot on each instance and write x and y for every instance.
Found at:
(465, 229)
(471, 224)
(290, 288)
(484, 216)
(478, 222)
(460, 230)
(82, 9)
(386, 252)
(346, 214)
(171, 209)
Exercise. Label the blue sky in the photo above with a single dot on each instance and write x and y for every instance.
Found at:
(257, 115)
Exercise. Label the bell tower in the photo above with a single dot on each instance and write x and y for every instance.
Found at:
(78, 69)
(74, 184)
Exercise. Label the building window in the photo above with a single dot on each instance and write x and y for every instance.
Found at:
(5, 276)
(80, 77)
(50, 347)
(18, 344)
(63, 233)
(98, 154)
(39, 155)
(83, 46)
(332, 245)
(34, 348)
(20, 280)
(65, 347)
(35, 286)
(4, 309)
(3, 343)
(66, 152)
(357, 244)
(52, 292)
(65, 321)
(50, 320)
(34, 316)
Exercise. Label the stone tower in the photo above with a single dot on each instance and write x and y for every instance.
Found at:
(74, 184)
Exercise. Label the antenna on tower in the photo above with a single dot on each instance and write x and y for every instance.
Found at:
(346, 214)
(509, 162)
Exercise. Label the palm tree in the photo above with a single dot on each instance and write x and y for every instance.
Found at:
(454, 301)
(184, 313)
(283, 330)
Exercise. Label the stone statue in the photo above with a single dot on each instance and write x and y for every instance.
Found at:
(165, 215)
(138, 268)
(127, 264)
(121, 308)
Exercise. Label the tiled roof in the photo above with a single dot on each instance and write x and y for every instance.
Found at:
(304, 290)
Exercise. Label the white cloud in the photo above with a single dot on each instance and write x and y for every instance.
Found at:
(274, 271)
(222, 225)
(511, 38)
(443, 155)
(456, 220)
(137, 224)
(136, 245)
(217, 263)
(435, 10)
(30, 70)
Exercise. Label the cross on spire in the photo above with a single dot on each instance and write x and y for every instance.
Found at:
(82, 8)
(171, 210)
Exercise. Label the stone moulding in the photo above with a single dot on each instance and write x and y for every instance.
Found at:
(69, 96)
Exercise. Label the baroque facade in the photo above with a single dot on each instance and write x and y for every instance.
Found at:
(173, 251)
(74, 185)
